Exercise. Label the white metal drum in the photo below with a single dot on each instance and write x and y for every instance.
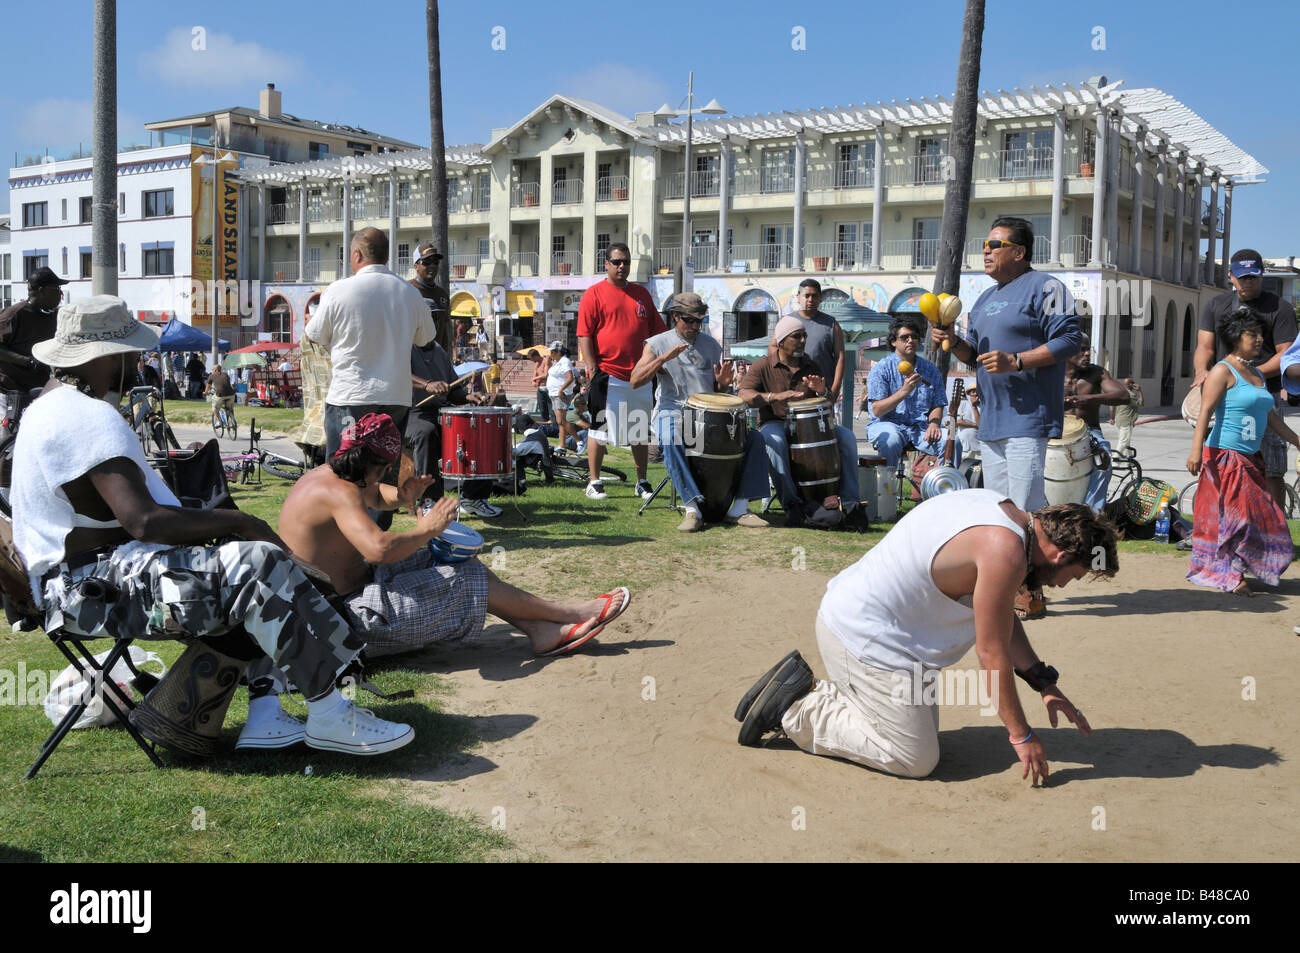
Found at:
(1069, 463)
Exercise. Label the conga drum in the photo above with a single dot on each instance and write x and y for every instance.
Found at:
(814, 448)
(184, 712)
(476, 443)
(1067, 467)
(713, 441)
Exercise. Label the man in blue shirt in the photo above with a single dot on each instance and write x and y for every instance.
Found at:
(1021, 330)
(905, 409)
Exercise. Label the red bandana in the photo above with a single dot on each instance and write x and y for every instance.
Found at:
(375, 431)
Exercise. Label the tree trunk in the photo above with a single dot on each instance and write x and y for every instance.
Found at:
(438, 158)
(961, 153)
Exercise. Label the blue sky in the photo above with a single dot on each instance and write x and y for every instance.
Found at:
(365, 65)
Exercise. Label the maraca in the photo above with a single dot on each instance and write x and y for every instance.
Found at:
(929, 306)
(949, 310)
(905, 368)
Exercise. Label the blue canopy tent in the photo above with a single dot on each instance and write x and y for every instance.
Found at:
(178, 336)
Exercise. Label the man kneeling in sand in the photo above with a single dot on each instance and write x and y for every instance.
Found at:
(943, 579)
(409, 600)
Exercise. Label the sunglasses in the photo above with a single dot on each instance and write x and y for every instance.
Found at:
(682, 317)
(993, 244)
(431, 260)
(618, 262)
(908, 337)
(798, 335)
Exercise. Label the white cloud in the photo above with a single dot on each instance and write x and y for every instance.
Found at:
(197, 57)
(62, 123)
(621, 88)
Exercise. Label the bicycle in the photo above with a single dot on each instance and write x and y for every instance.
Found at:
(1187, 498)
(570, 466)
(145, 415)
(223, 419)
(281, 466)
(1124, 465)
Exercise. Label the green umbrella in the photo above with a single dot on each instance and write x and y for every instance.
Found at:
(246, 359)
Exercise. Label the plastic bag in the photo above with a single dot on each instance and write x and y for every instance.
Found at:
(71, 685)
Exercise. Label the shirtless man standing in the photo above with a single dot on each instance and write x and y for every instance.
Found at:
(398, 596)
(1088, 388)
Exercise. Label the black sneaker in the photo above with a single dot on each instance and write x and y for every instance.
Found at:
(644, 489)
(773, 696)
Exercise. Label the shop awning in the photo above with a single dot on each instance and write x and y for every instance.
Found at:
(521, 303)
(464, 305)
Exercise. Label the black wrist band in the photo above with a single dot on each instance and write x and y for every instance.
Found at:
(1039, 676)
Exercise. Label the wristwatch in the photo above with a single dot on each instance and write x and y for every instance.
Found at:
(1020, 364)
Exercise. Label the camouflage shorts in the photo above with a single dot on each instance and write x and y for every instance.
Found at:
(196, 591)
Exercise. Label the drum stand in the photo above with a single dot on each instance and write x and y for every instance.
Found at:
(674, 505)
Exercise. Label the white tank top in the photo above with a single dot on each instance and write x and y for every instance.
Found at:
(886, 608)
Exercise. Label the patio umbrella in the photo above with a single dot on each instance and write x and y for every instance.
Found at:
(237, 359)
(264, 346)
(470, 367)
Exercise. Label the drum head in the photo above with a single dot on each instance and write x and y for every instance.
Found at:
(808, 403)
(457, 543)
(714, 402)
(1192, 406)
(1072, 428)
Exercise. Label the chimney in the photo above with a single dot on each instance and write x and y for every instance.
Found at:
(268, 106)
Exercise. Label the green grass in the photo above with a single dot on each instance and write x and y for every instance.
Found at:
(269, 419)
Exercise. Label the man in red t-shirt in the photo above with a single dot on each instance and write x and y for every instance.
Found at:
(615, 318)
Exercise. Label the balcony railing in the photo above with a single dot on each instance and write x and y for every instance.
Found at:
(566, 263)
(919, 170)
(1076, 250)
(844, 175)
(525, 195)
(311, 270)
(280, 213)
(703, 257)
(763, 181)
(523, 263)
(611, 188)
(1013, 165)
(566, 192)
(462, 266)
(467, 199)
(284, 270)
(767, 256)
(911, 253)
(842, 256)
(704, 184)
(325, 210)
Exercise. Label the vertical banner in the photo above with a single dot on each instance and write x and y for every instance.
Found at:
(200, 241)
(226, 294)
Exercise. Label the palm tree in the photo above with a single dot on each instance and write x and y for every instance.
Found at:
(438, 160)
(961, 149)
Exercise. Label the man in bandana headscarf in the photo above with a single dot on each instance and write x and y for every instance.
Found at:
(398, 595)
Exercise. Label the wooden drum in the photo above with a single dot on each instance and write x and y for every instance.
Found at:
(713, 441)
(814, 448)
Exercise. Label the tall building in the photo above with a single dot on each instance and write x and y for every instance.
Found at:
(167, 232)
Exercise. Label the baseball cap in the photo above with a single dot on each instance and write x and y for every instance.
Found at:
(1247, 261)
(44, 277)
(557, 345)
(425, 250)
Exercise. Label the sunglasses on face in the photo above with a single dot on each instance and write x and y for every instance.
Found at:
(685, 319)
(992, 244)
(431, 260)
(798, 335)
(618, 262)
(907, 337)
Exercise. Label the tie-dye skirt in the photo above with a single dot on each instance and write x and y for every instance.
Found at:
(1236, 525)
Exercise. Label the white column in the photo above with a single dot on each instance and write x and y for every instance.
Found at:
(392, 222)
(1112, 194)
(1213, 220)
(1139, 181)
(1227, 230)
(1195, 267)
(1058, 185)
(1158, 233)
(347, 223)
(1177, 273)
(877, 199)
(1100, 173)
(302, 230)
(261, 233)
(724, 199)
(800, 160)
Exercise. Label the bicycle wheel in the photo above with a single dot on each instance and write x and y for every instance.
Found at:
(1187, 499)
(562, 471)
(232, 425)
(282, 466)
(1292, 502)
(218, 425)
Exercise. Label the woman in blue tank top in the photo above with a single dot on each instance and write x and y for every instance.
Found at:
(1236, 525)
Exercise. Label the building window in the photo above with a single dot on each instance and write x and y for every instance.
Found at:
(313, 265)
(4, 268)
(484, 249)
(404, 257)
(64, 269)
(121, 203)
(32, 261)
(925, 242)
(158, 204)
(157, 261)
(64, 209)
(35, 214)
(1027, 154)
(777, 171)
(930, 152)
(87, 209)
(318, 150)
(121, 258)
(85, 264)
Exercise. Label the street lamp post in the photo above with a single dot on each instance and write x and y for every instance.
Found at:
(713, 109)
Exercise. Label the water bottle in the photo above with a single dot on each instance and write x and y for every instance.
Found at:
(1162, 521)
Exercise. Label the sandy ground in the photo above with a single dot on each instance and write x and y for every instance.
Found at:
(627, 751)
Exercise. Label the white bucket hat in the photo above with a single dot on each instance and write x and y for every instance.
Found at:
(94, 327)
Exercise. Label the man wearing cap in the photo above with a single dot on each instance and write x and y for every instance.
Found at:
(684, 362)
(368, 322)
(1277, 315)
(770, 384)
(825, 336)
(432, 377)
(427, 262)
(102, 514)
(615, 319)
(400, 597)
(26, 324)
(560, 387)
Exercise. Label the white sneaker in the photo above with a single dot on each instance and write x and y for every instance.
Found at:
(481, 508)
(644, 489)
(279, 730)
(354, 730)
(596, 491)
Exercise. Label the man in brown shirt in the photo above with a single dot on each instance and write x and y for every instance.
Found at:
(428, 260)
(770, 384)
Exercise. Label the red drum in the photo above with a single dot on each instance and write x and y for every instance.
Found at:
(475, 443)
(814, 448)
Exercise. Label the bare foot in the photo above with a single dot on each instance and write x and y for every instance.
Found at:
(1242, 589)
(548, 636)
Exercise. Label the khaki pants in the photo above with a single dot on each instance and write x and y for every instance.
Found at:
(853, 714)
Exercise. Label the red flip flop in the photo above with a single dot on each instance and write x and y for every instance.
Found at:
(616, 603)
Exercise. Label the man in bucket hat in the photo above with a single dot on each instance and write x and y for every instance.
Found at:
(102, 514)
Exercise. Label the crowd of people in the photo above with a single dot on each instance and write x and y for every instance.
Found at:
(960, 570)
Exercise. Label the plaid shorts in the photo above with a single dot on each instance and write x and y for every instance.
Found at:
(1274, 449)
(418, 601)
